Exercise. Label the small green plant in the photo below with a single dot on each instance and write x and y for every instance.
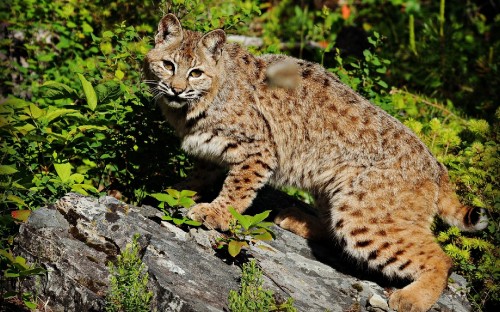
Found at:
(175, 201)
(128, 291)
(15, 268)
(246, 231)
(252, 297)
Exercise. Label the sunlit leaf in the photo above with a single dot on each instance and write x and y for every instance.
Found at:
(165, 198)
(243, 220)
(63, 171)
(108, 91)
(34, 111)
(89, 92)
(20, 215)
(186, 202)
(4, 170)
(264, 236)
(187, 193)
(174, 193)
(193, 222)
(178, 221)
(260, 217)
(234, 247)
(50, 116)
(16, 199)
(56, 90)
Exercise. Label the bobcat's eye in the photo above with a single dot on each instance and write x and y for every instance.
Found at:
(195, 73)
(168, 65)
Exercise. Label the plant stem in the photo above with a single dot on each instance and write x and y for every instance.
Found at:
(441, 18)
(411, 26)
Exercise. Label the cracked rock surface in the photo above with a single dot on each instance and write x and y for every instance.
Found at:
(76, 237)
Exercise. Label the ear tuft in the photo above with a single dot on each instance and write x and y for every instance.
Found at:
(169, 30)
(213, 42)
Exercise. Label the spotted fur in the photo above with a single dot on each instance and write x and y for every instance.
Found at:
(284, 121)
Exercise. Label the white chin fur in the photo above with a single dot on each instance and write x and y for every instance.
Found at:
(175, 104)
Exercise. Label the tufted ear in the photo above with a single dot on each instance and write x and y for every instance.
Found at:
(169, 31)
(213, 42)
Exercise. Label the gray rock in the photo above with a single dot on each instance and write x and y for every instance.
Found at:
(76, 237)
(377, 302)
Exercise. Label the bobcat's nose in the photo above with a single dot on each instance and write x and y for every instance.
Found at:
(177, 90)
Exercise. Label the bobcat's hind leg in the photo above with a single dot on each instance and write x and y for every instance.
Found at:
(302, 223)
(430, 271)
(406, 251)
(305, 224)
(391, 231)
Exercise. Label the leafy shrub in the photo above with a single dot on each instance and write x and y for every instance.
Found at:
(245, 231)
(15, 268)
(175, 201)
(128, 282)
(252, 297)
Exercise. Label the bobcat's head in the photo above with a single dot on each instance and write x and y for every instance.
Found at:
(182, 67)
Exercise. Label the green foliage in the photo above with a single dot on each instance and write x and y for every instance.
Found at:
(128, 282)
(477, 257)
(246, 231)
(252, 297)
(175, 200)
(208, 15)
(15, 268)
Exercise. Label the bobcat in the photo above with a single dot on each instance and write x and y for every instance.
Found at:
(376, 183)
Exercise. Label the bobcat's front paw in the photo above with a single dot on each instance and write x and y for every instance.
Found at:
(212, 216)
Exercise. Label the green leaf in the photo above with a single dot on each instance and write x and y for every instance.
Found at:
(187, 193)
(60, 112)
(13, 103)
(34, 111)
(86, 28)
(382, 84)
(264, 236)
(167, 218)
(260, 217)
(192, 222)
(234, 247)
(20, 215)
(174, 193)
(77, 177)
(165, 198)
(108, 91)
(10, 274)
(16, 199)
(107, 34)
(186, 202)
(89, 92)
(243, 220)
(9, 295)
(21, 262)
(63, 171)
(56, 90)
(178, 221)
(8, 255)
(83, 188)
(5, 170)
(119, 74)
(29, 304)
